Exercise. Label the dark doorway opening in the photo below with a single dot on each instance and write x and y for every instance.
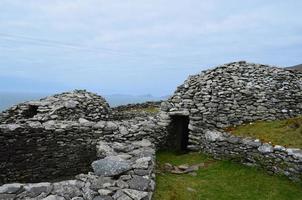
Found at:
(179, 133)
(31, 111)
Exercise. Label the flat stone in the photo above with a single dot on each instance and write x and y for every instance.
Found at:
(120, 195)
(296, 153)
(142, 163)
(7, 196)
(13, 127)
(11, 188)
(111, 126)
(279, 148)
(77, 198)
(103, 150)
(101, 182)
(35, 124)
(121, 184)
(135, 195)
(143, 143)
(37, 188)
(266, 148)
(139, 183)
(142, 172)
(212, 136)
(100, 124)
(71, 104)
(102, 197)
(104, 192)
(89, 193)
(183, 167)
(67, 189)
(109, 167)
(54, 197)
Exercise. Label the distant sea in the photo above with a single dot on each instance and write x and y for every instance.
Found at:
(8, 99)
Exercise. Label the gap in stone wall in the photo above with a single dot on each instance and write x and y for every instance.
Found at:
(179, 133)
(31, 111)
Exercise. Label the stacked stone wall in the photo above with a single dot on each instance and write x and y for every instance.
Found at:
(37, 151)
(237, 93)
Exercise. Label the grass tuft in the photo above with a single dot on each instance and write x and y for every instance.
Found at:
(287, 132)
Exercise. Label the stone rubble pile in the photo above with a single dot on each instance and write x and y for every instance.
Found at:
(66, 106)
(124, 171)
(183, 169)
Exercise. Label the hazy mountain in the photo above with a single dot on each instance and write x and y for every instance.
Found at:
(296, 67)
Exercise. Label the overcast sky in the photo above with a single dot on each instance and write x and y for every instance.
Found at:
(139, 46)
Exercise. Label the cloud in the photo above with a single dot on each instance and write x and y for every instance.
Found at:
(111, 40)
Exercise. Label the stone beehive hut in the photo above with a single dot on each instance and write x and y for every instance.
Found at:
(232, 94)
(69, 106)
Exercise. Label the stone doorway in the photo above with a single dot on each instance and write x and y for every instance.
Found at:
(179, 132)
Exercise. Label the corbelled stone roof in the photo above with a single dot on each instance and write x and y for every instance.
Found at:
(237, 92)
(66, 106)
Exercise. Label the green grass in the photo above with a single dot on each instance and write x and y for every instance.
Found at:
(221, 180)
(151, 110)
(287, 132)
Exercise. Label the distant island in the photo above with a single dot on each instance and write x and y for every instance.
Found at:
(296, 67)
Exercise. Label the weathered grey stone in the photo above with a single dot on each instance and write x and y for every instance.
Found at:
(109, 167)
(13, 127)
(142, 163)
(54, 197)
(135, 194)
(213, 135)
(104, 192)
(7, 196)
(101, 182)
(104, 150)
(71, 104)
(68, 189)
(12, 188)
(139, 183)
(103, 198)
(143, 143)
(111, 126)
(296, 153)
(77, 198)
(266, 148)
(38, 188)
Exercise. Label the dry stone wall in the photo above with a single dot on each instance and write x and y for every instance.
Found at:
(37, 151)
(275, 159)
(131, 111)
(122, 171)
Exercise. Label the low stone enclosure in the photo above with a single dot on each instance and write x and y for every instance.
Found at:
(87, 150)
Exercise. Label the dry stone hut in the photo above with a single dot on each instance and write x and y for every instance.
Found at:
(229, 95)
(233, 94)
(76, 132)
(66, 106)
